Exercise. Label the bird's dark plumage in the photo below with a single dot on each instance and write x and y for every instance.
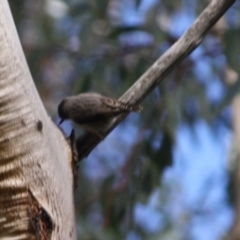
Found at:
(92, 110)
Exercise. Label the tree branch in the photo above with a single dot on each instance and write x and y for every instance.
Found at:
(161, 68)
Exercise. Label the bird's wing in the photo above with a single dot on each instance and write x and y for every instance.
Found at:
(119, 106)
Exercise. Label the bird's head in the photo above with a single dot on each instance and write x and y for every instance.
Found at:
(62, 111)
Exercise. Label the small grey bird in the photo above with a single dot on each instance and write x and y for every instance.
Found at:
(93, 111)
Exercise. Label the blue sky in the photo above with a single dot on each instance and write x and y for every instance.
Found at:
(198, 178)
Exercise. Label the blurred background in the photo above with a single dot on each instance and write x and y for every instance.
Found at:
(171, 172)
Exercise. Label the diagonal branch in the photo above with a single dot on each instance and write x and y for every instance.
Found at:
(162, 67)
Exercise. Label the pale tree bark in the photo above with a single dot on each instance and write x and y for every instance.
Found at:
(234, 160)
(232, 80)
(36, 183)
(234, 233)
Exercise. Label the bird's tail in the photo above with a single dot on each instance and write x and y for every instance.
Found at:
(131, 107)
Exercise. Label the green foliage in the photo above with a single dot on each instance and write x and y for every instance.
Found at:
(91, 48)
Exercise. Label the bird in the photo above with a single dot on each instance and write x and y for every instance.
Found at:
(93, 111)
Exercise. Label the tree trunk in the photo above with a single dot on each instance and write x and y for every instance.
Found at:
(36, 180)
(36, 183)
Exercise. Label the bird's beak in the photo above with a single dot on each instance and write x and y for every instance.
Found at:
(61, 121)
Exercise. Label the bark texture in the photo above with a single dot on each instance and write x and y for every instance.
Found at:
(36, 183)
